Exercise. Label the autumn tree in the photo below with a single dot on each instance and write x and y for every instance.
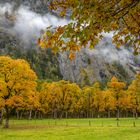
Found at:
(94, 100)
(88, 96)
(89, 19)
(46, 98)
(18, 85)
(117, 88)
(74, 94)
(125, 102)
(59, 98)
(1, 101)
(49, 98)
(109, 101)
(67, 97)
(134, 92)
(98, 99)
(80, 107)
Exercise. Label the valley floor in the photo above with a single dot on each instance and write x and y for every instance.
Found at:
(72, 129)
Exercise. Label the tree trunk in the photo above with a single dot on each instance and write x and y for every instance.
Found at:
(136, 115)
(1, 117)
(55, 114)
(41, 115)
(92, 114)
(118, 113)
(38, 115)
(61, 115)
(108, 113)
(66, 114)
(98, 114)
(133, 114)
(35, 114)
(21, 114)
(17, 112)
(126, 113)
(30, 115)
(7, 118)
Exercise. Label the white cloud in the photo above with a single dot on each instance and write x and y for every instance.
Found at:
(29, 24)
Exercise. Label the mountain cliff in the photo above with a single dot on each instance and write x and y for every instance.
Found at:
(99, 64)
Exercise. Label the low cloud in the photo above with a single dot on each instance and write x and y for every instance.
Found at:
(27, 24)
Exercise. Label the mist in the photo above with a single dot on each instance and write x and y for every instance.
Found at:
(27, 24)
(107, 49)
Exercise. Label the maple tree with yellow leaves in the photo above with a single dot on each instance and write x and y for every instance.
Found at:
(117, 88)
(134, 93)
(18, 85)
(89, 19)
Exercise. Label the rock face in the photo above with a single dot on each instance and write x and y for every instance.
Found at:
(99, 64)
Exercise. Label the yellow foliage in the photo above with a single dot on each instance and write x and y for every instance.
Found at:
(17, 83)
(91, 18)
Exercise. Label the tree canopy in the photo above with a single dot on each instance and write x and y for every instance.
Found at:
(91, 18)
(17, 85)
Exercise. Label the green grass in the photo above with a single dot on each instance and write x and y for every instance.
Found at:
(72, 129)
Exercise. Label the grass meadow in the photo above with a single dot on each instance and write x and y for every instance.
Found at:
(72, 129)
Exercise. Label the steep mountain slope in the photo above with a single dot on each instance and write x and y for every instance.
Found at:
(99, 64)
